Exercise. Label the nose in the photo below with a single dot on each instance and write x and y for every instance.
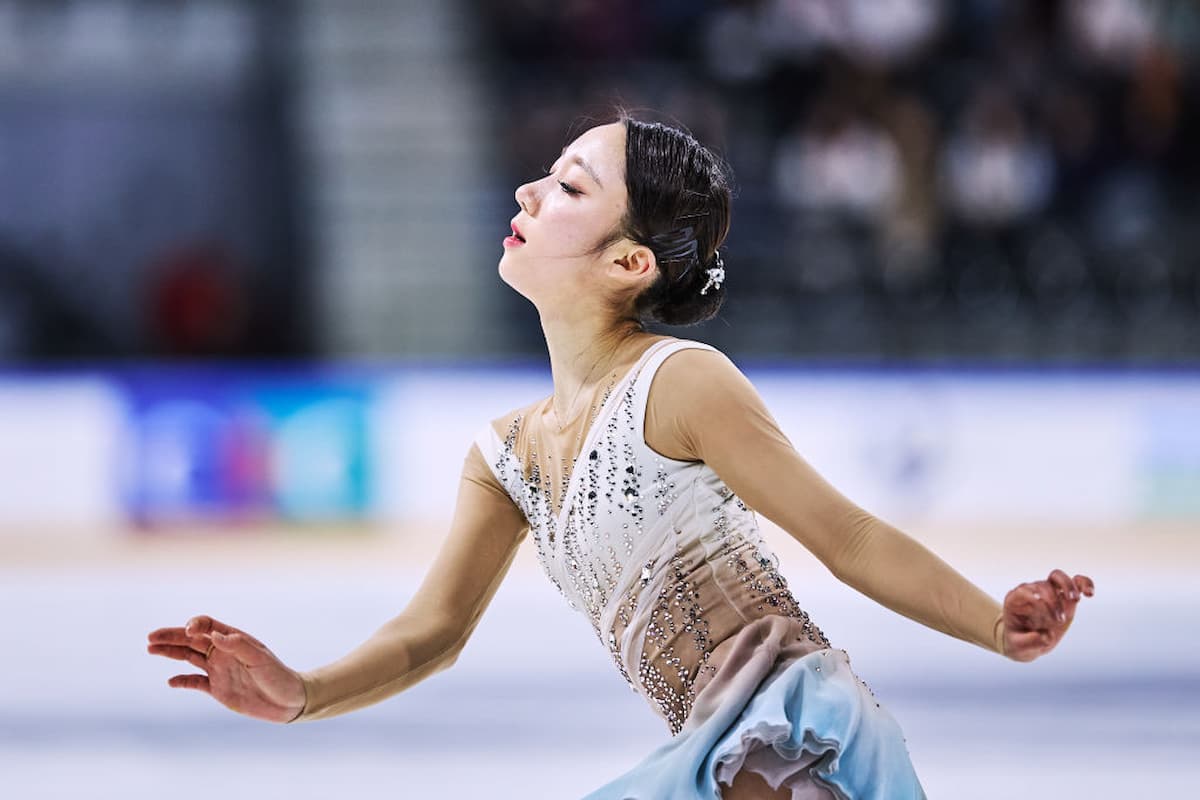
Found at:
(526, 196)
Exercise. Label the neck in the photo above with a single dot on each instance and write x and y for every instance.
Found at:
(582, 351)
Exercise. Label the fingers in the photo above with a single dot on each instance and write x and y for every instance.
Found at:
(198, 634)
(246, 649)
(197, 682)
(174, 636)
(1080, 585)
(177, 640)
(1038, 614)
(179, 653)
(204, 625)
(1070, 591)
(1033, 606)
(207, 626)
(1062, 582)
(1065, 594)
(201, 638)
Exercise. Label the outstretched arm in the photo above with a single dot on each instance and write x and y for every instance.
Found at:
(425, 637)
(703, 408)
(435, 625)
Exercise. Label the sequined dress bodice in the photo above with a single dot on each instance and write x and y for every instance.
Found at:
(660, 555)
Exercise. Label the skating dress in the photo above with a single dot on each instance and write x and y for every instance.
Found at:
(642, 512)
(667, 564)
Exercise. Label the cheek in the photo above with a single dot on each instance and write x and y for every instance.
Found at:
(577, 227)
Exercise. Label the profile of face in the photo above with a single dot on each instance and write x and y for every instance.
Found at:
(562, 245)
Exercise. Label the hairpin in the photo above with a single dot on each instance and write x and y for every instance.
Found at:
(716, 275)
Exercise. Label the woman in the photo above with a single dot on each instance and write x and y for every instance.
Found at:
(636, 478)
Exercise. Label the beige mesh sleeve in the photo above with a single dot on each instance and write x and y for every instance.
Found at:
(433, 628)
(701, 407)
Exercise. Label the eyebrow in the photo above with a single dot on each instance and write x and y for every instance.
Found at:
(576, 159)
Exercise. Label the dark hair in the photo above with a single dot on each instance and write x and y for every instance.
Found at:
(679, 207)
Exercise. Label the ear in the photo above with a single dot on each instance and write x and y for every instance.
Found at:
(636, 264)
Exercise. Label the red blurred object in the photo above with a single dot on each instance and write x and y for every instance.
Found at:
(197, 303)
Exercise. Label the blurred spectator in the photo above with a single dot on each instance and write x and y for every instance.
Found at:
(839, 163)
(735, 43)
(1127, 207)
(880, 31)
(876, 151)
(744, 40)
(1073, 122)
(1152, 103)
(106, 162)
(1112, 33)
(909, 229)
(996, 172)
(876, 155)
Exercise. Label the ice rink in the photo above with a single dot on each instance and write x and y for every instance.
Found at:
(534, 709)
(269, 269)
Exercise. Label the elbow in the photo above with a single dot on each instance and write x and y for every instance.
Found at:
(450, 657)
(842, 575)
(431, 642)
(847, 560)
(454, 641)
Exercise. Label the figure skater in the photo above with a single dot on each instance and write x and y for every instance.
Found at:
(639, 479)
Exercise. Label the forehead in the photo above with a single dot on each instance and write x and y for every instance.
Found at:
(603, 147)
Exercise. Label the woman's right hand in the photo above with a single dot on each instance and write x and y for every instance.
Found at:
(241, 673)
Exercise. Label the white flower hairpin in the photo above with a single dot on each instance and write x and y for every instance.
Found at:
(716, 275)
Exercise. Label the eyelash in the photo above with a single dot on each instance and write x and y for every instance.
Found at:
(566, 187)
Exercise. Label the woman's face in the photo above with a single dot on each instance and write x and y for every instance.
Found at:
(551, 256)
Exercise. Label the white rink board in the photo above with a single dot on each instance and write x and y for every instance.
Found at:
(60, 443)
(925, 448)
(935, 448)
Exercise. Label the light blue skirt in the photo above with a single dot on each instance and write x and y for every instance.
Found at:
(806, 722)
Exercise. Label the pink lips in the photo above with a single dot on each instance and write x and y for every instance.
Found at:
(516, 238)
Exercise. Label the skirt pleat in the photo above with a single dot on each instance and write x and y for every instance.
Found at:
(782, 707)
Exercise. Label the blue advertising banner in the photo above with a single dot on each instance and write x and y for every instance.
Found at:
(229, 447)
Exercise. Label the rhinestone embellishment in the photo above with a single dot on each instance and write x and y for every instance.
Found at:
(700, 557)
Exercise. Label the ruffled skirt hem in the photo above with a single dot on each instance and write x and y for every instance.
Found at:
(764, 751)
(776, 707)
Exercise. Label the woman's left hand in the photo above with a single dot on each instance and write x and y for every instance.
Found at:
(1037, 614)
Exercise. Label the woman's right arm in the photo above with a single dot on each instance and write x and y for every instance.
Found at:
(424, 638)
(435, 625)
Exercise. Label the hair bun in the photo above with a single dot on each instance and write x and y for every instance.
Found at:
(679, 207)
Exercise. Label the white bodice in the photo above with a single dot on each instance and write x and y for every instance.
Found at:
(659, 554)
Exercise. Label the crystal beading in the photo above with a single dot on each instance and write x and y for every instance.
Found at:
(662, 581)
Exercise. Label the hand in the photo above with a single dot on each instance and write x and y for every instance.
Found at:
(1037, 614)
(241, 673)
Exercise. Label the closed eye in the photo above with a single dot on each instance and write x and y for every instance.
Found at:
(567, 188)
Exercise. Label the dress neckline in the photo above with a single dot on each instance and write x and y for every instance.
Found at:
(589, 438)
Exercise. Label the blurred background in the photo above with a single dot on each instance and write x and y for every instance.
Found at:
(250, 323)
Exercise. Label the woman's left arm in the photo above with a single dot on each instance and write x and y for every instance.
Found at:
(702, 407)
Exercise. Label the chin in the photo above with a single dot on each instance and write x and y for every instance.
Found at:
(506, 274)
